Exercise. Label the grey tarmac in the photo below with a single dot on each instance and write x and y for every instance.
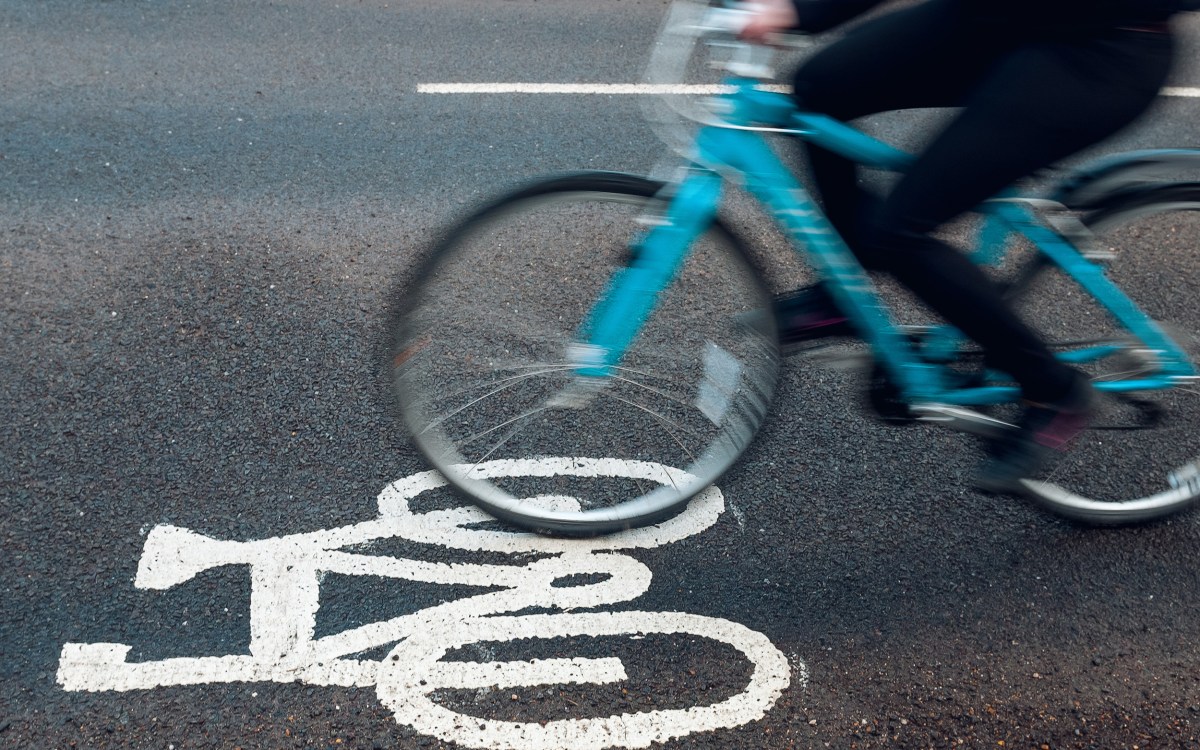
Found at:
(204, 208)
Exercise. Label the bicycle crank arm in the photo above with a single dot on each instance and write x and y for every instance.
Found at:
(961, 419)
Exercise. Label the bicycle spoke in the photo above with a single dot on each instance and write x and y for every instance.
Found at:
(512, 433)
(662, 420)
(510, 383)
(469, 439)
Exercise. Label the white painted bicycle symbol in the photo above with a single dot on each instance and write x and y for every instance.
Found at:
(285, 597)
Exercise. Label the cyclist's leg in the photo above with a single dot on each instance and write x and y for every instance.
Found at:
(928, 55)
(1041, 104)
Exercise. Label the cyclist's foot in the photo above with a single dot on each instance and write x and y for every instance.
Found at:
(807, 314)
(1044, 429)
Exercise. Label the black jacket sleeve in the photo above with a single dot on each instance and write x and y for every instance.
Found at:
(820, 15)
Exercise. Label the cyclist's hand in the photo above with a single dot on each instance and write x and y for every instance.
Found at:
(770, 17)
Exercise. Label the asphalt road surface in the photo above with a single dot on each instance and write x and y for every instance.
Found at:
(206, 539)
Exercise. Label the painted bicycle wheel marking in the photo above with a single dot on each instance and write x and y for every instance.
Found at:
(285, 597)
(405, 682)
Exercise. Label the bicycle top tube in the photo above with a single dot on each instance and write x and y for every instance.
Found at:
(748, 106)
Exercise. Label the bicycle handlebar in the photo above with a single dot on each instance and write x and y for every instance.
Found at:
(687, 23)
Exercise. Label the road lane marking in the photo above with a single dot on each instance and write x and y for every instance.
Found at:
(642, 89)
(610, 89)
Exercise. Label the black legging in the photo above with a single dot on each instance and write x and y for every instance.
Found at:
(1029, 96)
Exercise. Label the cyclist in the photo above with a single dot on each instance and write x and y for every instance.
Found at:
(1035, 81)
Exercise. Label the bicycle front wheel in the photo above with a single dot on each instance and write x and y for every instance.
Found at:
(483, 361)
(1141, 459)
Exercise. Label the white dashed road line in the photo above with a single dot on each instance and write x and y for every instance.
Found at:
(625, 89)
(609, 89)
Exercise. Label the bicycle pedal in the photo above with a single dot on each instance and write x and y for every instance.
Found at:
(962, 419)
(832, 357)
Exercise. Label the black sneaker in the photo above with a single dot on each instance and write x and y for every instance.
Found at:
(807, 314)
(1044, 430)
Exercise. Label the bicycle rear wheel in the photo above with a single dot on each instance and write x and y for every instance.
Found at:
(1141, 459)
(481, 348)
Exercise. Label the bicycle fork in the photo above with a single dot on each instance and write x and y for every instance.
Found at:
(633, 291)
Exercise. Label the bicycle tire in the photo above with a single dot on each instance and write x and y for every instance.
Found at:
(478, 348)
(1139, 461)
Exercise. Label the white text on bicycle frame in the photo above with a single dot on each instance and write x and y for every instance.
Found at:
(285, 589)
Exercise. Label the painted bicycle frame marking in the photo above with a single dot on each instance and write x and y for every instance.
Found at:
(736, 151)
(286, 575)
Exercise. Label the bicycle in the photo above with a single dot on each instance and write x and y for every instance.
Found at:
(611, 315)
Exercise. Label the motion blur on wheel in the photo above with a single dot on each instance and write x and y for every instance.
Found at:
(488, 352)
(1141, 459)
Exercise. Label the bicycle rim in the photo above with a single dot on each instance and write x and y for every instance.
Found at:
(480, 361)
(1140, 459)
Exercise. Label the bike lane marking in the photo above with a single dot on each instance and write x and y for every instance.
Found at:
(285, 597)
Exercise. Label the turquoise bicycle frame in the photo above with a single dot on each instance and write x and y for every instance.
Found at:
(737, 149)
